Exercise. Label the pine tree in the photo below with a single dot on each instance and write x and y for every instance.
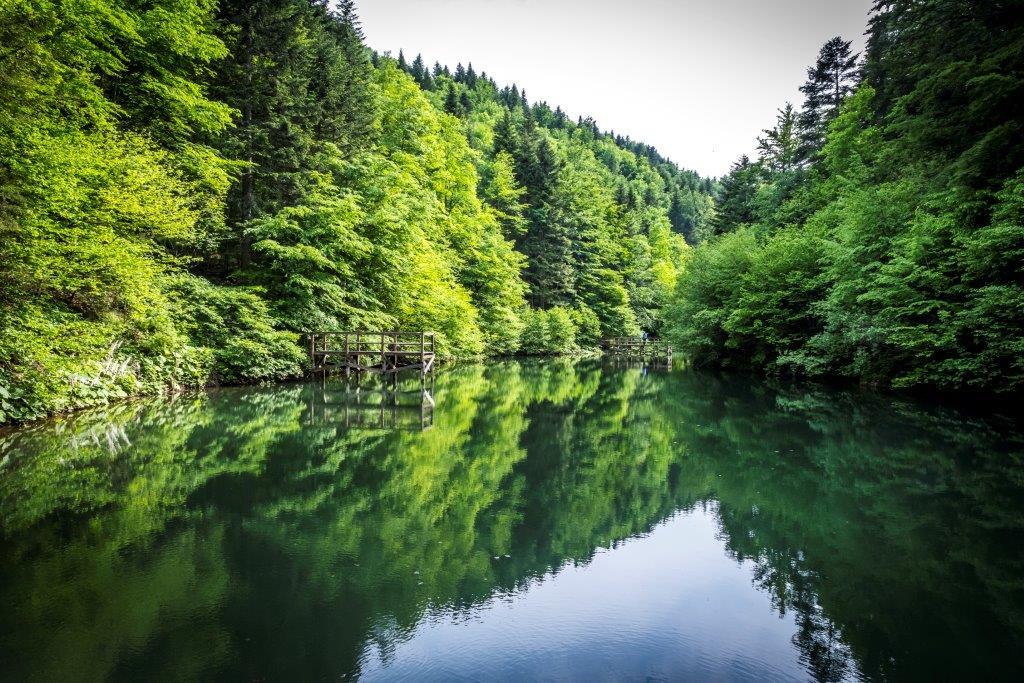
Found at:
(346, 13)
(832, 78)
(680, 214)
(560, 118)
(451, 102)
(736, 203)
(780, 146)
(506, 138)
(299, 77)
(418, 72)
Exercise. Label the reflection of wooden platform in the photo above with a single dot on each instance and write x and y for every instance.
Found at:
(387, 406)
(652, 351)
(382, 352)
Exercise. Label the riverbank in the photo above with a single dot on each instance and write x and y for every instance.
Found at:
(106, 390)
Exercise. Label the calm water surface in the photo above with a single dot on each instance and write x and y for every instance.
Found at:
(555, 521)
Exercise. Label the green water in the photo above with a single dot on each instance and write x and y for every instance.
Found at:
(567, 521)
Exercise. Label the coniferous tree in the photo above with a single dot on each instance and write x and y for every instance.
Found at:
(830, 81)
(506, 138)
(345, 11)
(417, 71)
(780, 146)
(735, 205)
(300, 78)
(451, 102)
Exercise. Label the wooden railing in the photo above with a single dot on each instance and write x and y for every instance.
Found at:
(638, 347)
(372, 351)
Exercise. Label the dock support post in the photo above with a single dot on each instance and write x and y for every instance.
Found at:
(345, 359)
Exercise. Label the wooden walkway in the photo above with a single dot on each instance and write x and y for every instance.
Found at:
(381, 352)
(637, 348)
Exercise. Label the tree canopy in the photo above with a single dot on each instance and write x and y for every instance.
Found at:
(890, 252)
(187, 185)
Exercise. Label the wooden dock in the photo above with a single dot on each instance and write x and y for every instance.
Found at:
(639, 349)
(382, 352)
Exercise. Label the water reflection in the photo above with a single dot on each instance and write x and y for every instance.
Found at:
(311, 531)
(383, 402)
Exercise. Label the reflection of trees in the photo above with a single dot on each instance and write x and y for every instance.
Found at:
(219, 532)
(893, 532)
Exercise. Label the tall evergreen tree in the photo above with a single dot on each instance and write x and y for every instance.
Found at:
(780, 146)
(830, 81)
(736, 202)
(417, 71)
(451, 102)
(506, 138)
(299, 78)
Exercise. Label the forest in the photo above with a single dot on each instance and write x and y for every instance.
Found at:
(879, 235)
(187, 185)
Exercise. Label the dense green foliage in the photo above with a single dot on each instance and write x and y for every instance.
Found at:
(880, 236)
(187, 185)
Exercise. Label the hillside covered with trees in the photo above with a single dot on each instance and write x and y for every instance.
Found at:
(879, 236)
(186, 185)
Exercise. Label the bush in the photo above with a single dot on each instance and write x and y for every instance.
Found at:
(548, 332)
(588, 327)
(236, 324)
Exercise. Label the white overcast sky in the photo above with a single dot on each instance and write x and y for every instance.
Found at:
(696, 79)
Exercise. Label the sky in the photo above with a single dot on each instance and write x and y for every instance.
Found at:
(699, 80)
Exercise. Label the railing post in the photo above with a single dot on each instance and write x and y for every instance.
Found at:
(423, 353)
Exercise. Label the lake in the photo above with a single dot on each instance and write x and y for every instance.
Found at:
(562, 520)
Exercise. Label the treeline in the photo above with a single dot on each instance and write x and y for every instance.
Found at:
(879, 236)
(185, 185)
(597, 216)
